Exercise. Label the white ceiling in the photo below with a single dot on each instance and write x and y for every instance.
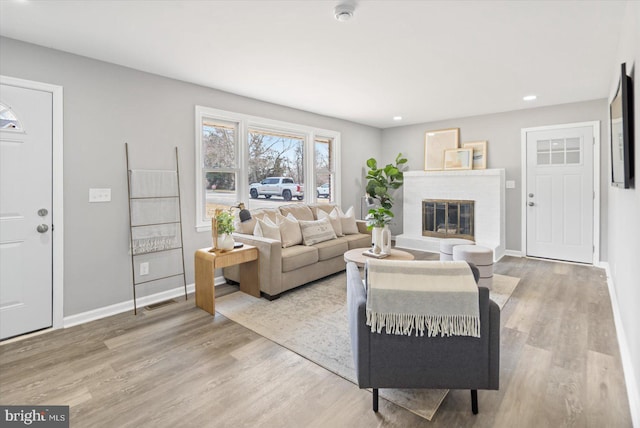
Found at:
(423, 60)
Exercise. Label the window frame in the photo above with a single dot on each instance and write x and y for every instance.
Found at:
(245, 123)
(334, 167)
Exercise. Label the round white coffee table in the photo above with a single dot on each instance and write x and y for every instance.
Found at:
(360, 259)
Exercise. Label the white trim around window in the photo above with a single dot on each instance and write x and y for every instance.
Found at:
(246, 122)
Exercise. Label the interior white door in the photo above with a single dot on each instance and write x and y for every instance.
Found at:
(559, 194)
(25, 210)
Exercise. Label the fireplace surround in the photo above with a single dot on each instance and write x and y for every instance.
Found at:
(484, 187)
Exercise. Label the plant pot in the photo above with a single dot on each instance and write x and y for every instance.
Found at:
(381, 240)
(225, 242)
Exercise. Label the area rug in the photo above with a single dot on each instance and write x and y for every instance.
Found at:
(312, 322)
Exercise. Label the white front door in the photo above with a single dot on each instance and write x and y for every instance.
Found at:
(559, 194)
(25, 210)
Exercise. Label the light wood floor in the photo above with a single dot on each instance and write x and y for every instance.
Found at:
(177, 366)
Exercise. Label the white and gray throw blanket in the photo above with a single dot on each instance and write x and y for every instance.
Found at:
(429, 297)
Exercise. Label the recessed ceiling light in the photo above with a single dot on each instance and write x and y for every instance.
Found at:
(529, 97)
(397, 118)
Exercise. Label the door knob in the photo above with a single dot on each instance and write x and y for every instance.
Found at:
(42, 212)
(531, 195)
(531, 204)
(42, 228)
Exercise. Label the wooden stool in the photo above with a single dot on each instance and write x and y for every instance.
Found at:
(446, 247)
(480, 256)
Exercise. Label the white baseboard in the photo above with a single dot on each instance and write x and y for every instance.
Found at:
(633, 389)
(513, 253)
(118, 308)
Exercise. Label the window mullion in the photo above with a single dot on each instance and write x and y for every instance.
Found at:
(243, 158)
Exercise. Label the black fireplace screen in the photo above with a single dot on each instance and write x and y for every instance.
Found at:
(447, 218)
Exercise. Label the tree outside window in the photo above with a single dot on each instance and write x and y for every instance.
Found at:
(220, 166)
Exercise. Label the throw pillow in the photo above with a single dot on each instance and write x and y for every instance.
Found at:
(290, 233)
(316, 231)
(266, 229)
(349, 226)
(249, 226)
(270, 213)
(245, 227)
(335, 220)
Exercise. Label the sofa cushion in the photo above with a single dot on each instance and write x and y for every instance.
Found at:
(334, 219)
(316, 231)
(315, 208)
(298, 256)
(299, 211)
(330, 249)
(245, 227)
(359, 240)
(290, 233)
(248, 226)
(266, 212)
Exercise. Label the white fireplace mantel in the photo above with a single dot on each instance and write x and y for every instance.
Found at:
(484, 186)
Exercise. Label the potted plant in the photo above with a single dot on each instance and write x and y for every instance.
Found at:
(382, 181)
(378, 217)
(222, 224)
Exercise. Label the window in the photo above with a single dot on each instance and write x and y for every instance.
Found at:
(275, 155)
(324, 169)
(8, 120)
(559, 151)
(219, 165)
(261, 162)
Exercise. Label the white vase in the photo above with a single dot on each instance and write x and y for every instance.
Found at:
(381, 240)
(386, 240)
(225, 242)
(376, 238)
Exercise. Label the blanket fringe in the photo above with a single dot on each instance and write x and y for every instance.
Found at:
(431, 325)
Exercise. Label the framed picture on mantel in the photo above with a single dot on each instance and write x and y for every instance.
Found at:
(435, 143)
(458, 159)
(479, 153)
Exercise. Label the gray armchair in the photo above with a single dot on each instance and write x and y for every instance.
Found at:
(394, 361)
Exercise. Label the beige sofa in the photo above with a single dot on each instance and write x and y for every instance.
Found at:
(282, 269)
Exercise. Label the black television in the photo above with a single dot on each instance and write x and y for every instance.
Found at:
(622, 138)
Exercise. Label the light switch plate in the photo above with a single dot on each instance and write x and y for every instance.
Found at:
(144, 268)
(511, 184)
(99, 195)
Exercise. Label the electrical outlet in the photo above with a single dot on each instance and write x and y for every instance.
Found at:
(144, 268)
(510, 184)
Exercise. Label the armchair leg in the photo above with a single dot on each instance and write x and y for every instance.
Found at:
(474, 401)
(375, 400)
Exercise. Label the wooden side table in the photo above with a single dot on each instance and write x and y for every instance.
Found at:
(207, 261)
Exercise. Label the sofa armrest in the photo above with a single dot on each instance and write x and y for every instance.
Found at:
(270, 263)
(358, 330)
(494, 345)
(362, 227)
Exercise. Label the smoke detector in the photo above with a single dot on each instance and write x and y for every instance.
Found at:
(343, 12)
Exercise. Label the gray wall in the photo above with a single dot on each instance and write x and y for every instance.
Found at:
(106, 105)
(502, 132)
(624, 217)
